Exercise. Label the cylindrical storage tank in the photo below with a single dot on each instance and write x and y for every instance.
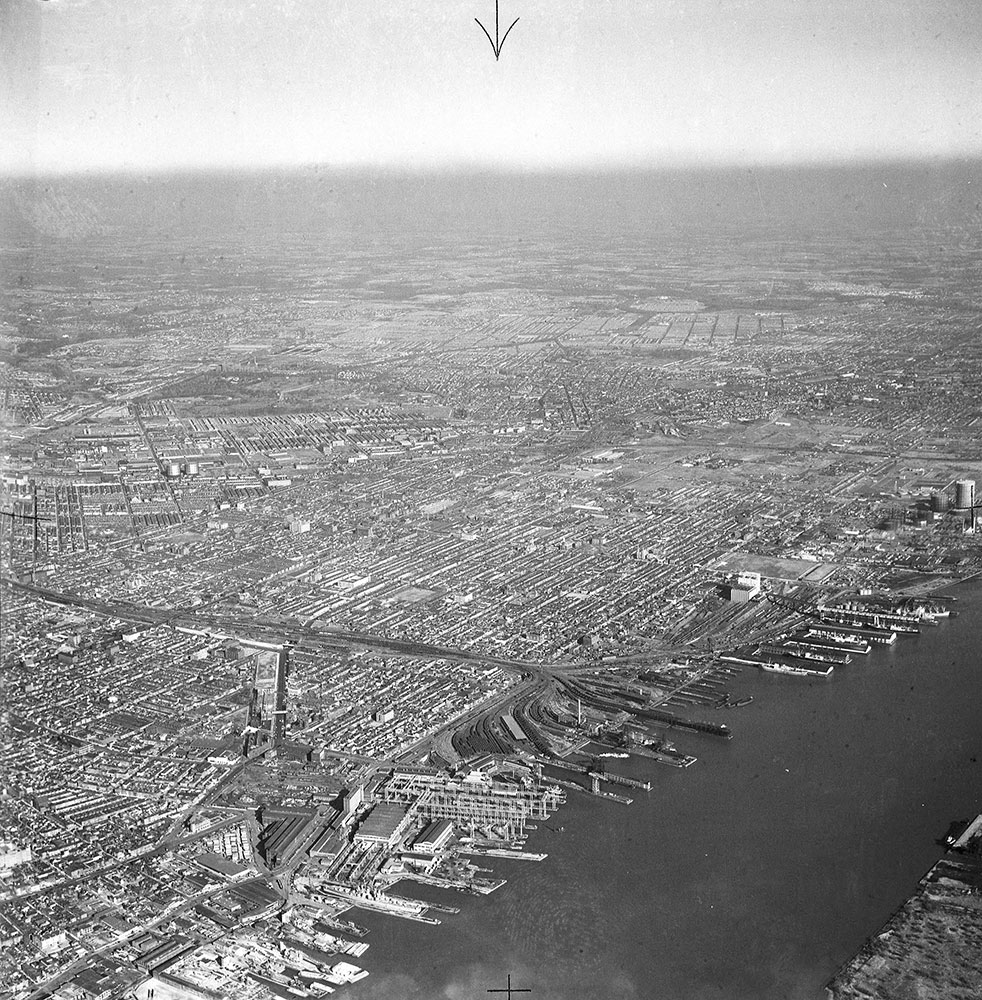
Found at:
(939, 501)
(965, 494)
(173, 469)
(192, 468)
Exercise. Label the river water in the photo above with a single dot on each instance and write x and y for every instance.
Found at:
(749, 876)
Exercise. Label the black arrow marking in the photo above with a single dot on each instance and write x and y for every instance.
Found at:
(495, 44)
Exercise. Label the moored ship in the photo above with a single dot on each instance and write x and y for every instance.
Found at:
(773, 666)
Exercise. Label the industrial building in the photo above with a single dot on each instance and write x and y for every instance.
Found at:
(385, 824)
(434, 837)
(745, 588)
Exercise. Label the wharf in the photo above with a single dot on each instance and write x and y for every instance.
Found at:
(689, 697)
(693, 725)
(743, 660)
(900, 626)
(569, 765)
(851, 645)
(486, 886)
(620, 779)
(807, 651)
(659, 756)
(880, 636)
(623, 799)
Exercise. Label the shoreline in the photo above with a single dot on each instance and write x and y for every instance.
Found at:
(934, 921)
(664, 829)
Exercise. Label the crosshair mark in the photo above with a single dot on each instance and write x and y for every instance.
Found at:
(510, 990)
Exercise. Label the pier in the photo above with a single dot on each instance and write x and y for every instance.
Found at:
(620, 779)
(596, 790)
(693, 725)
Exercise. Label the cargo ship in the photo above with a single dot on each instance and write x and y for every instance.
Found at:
(727, 702)
(880, 619)
(877, 636)
(847, 618)
(772, 666)
(781, 666)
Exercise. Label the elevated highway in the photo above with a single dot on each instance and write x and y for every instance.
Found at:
(225, 626)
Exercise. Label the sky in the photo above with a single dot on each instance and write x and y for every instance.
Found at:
(148, 85)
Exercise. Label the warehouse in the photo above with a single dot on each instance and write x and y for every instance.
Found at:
(434, 837)
(384, 824)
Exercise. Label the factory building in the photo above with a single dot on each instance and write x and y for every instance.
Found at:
(746, 587)
(353, 800)
(434, 837)
(385, 824)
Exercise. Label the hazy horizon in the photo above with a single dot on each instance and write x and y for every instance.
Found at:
(312, 200)
(450, 170)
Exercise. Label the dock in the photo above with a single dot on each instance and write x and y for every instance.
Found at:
(595, 790)
(674, 721)
(620, 779)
